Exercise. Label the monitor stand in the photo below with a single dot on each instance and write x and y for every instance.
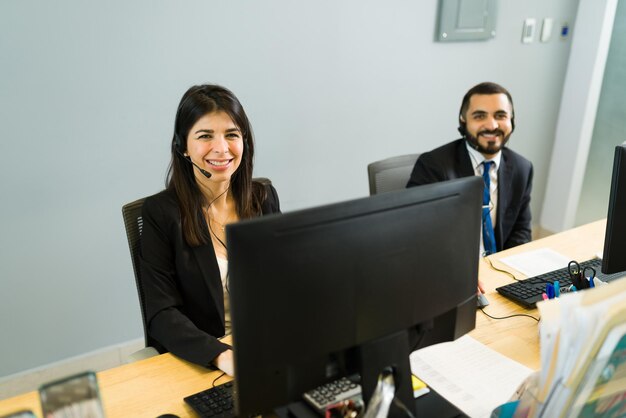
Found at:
(373, 357)
(430, 405)
(388, 352)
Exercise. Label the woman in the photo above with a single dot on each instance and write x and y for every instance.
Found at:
(183, 244)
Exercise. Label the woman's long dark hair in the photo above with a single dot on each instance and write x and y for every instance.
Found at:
(248, 195)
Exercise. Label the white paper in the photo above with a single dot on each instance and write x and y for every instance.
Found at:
(536, 262)
(469, 375)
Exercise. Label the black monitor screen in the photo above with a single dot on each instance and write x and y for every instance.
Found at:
(325, 292)
(614, 254)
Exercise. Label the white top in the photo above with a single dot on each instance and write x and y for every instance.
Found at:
(223, 265)
(477, 163)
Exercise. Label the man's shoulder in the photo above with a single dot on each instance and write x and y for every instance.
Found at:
(512, 157)
(445, 150)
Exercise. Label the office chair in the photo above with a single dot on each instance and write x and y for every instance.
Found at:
(133, 222)
(391, 173)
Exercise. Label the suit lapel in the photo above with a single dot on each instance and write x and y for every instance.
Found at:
(505, 184)
(463, 161)
(211, 274)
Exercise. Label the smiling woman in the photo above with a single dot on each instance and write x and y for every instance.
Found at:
(184, 258)
(215, 143)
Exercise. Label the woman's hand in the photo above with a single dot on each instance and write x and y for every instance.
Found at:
(481, 287)
(225, 362)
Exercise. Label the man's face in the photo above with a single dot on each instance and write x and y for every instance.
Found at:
(488, 122)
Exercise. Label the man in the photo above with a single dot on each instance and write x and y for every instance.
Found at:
(486, 121)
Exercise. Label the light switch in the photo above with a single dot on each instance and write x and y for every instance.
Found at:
(546, 29)
(528, 32)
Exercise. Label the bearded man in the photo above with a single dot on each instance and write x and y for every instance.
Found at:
(486, 121)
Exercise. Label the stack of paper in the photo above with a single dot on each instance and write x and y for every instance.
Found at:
(583, 354)
(468, 374)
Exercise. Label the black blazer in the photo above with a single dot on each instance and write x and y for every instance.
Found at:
(515, 177)
(183, 291)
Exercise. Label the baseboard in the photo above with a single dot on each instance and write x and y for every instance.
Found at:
(96, 360)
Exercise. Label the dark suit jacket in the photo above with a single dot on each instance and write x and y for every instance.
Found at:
(183, 291)
(515, 176)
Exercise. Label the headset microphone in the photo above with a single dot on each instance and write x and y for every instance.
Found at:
(203, 171)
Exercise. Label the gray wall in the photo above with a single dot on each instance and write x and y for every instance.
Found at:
(88, 92)
(609, 129)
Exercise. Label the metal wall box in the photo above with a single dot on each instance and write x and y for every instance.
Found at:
(466, 20)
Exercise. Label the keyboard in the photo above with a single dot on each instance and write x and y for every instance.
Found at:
(529, 291)
(216, 402)
(331, 393)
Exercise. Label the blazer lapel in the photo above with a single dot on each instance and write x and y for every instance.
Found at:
(205, 257)
(505, 184)
(464, 162)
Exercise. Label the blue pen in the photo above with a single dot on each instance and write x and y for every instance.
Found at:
(557, 289)
(591, 283)
(572, 288)
(550, 290)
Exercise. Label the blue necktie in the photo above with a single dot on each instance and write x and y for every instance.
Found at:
(489, 239)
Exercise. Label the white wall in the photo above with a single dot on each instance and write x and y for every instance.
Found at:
(609, 128)
(579, 103)
(88, 91)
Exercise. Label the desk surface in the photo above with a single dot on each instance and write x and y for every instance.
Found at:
(518, 338)
(157, 385)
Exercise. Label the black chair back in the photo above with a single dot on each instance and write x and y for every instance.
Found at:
(133, 222)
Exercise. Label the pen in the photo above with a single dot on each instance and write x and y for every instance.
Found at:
(544, 296)
(572, 288)
(550, 290)
(557, 289)
(591, 283)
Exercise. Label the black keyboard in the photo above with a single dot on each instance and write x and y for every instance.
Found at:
(216, 402)
(528, 292)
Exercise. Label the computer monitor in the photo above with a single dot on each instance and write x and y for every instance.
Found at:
(614, 254)
(351, 287)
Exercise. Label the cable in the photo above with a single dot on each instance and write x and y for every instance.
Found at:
(500, 270)
(209, 217)
(217, 378)
(419, 339)
(403, 407)
(509, 316)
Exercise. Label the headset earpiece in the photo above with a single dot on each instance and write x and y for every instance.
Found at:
(178, 143)
(462, 126)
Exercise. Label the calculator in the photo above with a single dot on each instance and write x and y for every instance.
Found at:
(331, 393)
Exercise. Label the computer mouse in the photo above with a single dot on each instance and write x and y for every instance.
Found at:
(481, 300)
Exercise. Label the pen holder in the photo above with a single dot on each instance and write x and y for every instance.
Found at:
(74, 396)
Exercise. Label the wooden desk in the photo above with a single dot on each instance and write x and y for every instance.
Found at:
(158, 385)
(147, 388)
(518, 338)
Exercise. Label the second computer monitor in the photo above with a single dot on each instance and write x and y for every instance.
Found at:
(325, 292)
(614, 254)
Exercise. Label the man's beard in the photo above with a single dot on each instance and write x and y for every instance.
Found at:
(490, 149)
